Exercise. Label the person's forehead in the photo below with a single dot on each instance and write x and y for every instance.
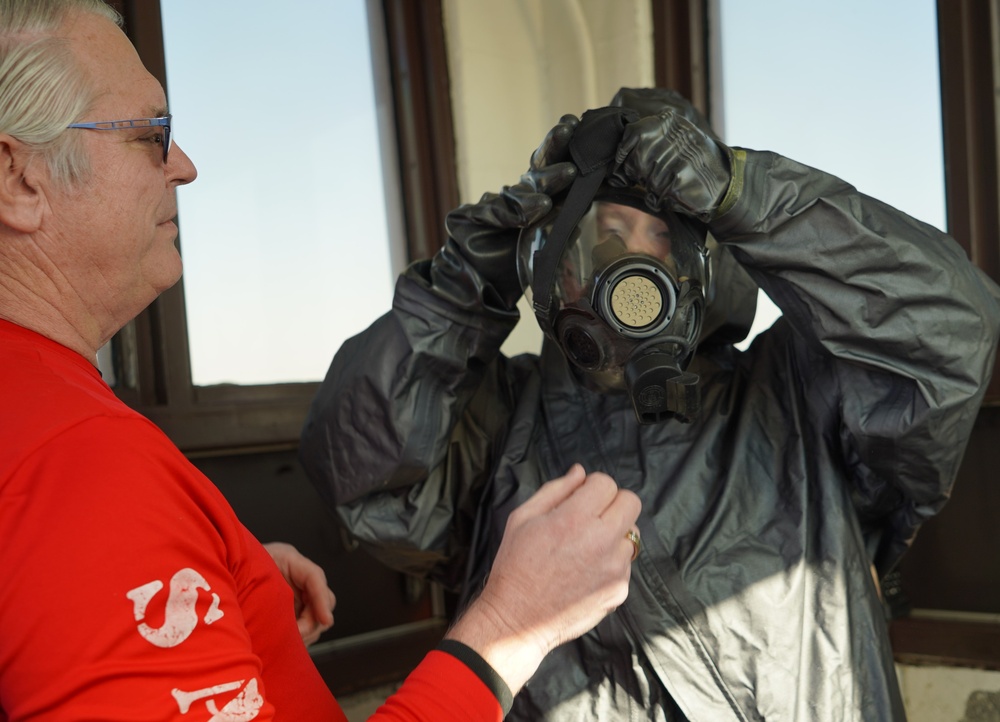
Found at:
(628, 213)
(123, 85)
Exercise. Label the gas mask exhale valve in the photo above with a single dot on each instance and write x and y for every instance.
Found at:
(620, 289)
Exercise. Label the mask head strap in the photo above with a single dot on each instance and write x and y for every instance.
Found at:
(592, 148)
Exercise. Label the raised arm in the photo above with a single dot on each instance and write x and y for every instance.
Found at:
(892, 324)
(412, 407)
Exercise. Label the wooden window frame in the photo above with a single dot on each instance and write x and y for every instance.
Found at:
(152, 353)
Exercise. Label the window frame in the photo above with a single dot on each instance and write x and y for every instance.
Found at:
(151, 354)
(969, 52)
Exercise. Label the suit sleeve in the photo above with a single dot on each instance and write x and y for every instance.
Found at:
(400, 437)
(890, 318)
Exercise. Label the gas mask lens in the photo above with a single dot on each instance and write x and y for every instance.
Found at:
(626, 295)
(623, 264)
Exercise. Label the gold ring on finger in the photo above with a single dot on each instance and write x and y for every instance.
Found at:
(633, 536)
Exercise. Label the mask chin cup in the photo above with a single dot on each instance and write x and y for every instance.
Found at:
(659, 390)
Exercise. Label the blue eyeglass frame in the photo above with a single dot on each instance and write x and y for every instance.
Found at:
(162, 122)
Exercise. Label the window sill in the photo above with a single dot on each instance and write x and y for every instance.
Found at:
(946, 642)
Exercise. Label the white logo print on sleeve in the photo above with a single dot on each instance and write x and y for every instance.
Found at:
(180, 616)
(242, 708)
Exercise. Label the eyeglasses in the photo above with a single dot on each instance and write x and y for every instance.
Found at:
(161, 122)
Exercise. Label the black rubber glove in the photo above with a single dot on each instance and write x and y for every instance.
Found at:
(652, 101)
(486, 233)
(678, 164)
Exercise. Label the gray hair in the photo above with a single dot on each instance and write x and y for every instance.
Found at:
(42, 87)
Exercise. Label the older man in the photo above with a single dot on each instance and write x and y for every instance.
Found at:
(131, 591)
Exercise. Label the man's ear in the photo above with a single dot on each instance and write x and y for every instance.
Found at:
(21, 197)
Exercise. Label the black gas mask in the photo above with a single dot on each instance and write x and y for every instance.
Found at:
(619, 288)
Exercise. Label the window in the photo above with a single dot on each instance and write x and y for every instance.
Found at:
(264, 313)
(852, 88)
(284, 233)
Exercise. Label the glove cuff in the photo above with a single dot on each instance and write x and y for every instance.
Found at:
(456, 272)
(750, 182)
(737, 168)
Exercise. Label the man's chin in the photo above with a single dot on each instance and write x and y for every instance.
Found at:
(173, 282)
(167, 276)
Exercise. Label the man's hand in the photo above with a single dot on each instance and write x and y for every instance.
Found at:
(314, 600)
(563, 565)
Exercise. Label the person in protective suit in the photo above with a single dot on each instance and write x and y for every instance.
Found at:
(772, 480)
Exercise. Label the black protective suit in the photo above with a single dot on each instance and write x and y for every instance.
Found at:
(818, 453)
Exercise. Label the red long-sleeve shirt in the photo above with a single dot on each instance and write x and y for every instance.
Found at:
(130, 589)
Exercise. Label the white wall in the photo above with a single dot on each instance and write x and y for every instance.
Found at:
(516, 67)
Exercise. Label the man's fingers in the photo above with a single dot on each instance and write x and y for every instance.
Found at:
(623, 510)
(309, 628)
(596, 496)
(553, 493)
(321, 601)
(616, 510)
(593, 497)
(579, 498)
